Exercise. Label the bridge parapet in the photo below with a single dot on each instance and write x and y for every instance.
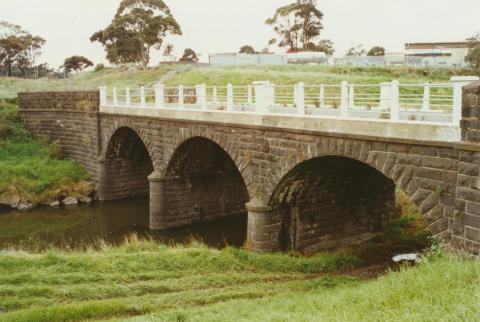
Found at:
(471, 113)
(409, 111)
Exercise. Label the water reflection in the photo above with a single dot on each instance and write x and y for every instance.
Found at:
(110, 221)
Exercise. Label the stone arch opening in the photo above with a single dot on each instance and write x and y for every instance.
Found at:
(328, 202)
(201, 183)
(124, 171)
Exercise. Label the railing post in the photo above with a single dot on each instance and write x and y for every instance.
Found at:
(200, 94)
(115, 96)
(159, 95)
(249, 95)
(351, 96)
(295, 95)
(142, 97)
(301, 98)
(215, 96)
(271, 95)
(229, 97)
(395, 104)
(426, 98)
(181, 100)
(261, 97)
(128, 97)
(385, 95)
(458, 83)
(322, 96)
(204, 97)
(344, 100)
(103, 95)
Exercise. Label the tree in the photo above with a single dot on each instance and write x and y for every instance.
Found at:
(18, 47)
(298, 24)
(356, 51)
(473, 56)
(168, 51)
(324, 46)
(247, 49)
(376, 51)
(76, 63)
(138, 26)
(189, 56)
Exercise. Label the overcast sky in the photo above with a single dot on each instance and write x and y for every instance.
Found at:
(225, 25)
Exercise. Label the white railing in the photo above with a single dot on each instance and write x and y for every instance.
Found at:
(386, 101)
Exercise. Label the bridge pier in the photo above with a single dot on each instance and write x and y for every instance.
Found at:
(159, 185)
(102, 180)
(264, 225)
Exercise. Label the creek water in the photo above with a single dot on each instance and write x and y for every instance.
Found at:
(109, 221)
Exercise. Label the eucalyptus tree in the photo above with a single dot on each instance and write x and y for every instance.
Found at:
(18, 47)
(76, 63)
(138, 26)
(298, 24)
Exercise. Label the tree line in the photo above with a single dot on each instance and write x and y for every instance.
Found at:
(139, 26)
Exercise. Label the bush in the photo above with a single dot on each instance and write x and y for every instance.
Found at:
(99, 67)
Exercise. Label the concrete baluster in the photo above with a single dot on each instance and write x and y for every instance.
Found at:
(249, 95)
(204, 97)
(261, 97)
(159, 95)
(215, 96)
(295, 95)
(351, 96)
(142, 97)
(115, 96)
(426, 98)
(103, 95)
(128, 97)
(181, 98)
(385, 95)
(229, 97)
(322, 96)
(395, 103)
(198, 95)
(301, 98)
(344, 100)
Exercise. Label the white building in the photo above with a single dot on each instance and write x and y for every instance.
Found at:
(439, 54)
(268, 59)
(247, 59)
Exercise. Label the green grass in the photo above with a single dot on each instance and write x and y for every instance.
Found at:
(123, 76)
(31, 167)
(145, 281)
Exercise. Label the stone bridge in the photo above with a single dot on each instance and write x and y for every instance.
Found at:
(306, 182)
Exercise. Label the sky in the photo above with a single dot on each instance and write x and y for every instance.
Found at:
(211, 26)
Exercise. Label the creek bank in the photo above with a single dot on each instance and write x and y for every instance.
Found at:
(10, 201)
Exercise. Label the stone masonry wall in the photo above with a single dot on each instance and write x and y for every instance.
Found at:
(70, 118)
(427, 171)
(471, 113)
(442, 178)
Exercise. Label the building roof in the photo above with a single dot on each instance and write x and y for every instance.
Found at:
(432, 45)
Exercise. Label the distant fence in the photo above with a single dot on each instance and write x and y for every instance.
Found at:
(387, 101)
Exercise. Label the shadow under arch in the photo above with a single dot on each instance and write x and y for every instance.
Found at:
(328, 202)
(203, 184)
(126, 166)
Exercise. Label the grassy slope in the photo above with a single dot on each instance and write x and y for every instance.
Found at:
(152, 282)
(191, 75)
(30, 167)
